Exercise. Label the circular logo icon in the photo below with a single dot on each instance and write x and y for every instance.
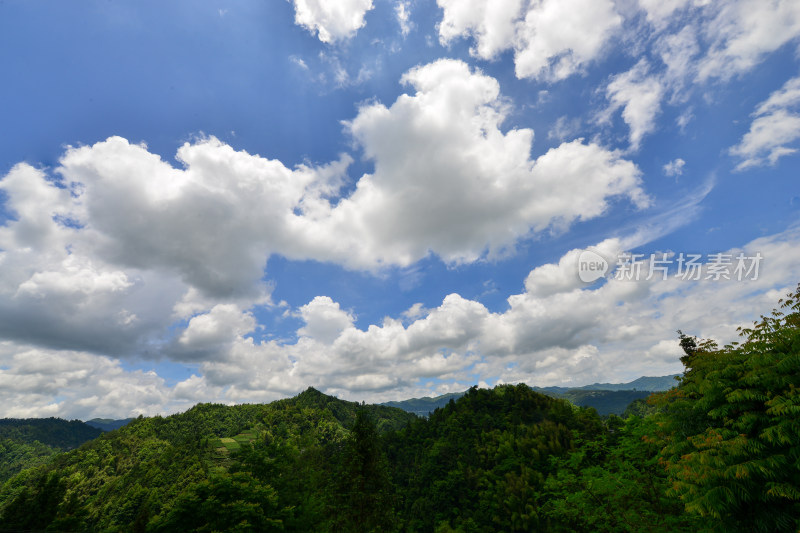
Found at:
(591, 266)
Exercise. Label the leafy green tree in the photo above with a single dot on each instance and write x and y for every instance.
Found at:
(35, 509)
(225, 503)
(614, 482)
(732, 447)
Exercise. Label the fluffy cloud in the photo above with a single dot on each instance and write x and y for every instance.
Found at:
(776, 126)
(552, 278)
(743, 32)
(492, 24)
(674, 167)
(207, 333)
(551, 39)
(558, 37)
(447, 180)
(56, 292)
(40, 382)
(639, 95)
(331, 21)
(325, 321)
(212, 223)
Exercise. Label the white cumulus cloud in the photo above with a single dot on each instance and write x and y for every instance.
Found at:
(774, 130)
(557, 38)
(331, 21)
(674, 167)
(743, 32)
(551, 39)
(449, 181)
(638, 94)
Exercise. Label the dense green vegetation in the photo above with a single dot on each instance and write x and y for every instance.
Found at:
(53, 432)
(721, 452)
(732, 429)
(25, 443)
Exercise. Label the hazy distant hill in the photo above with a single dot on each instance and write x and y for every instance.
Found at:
(108, 424)
(426, 405)
(644, 383)
(607, 398)
(606, 402)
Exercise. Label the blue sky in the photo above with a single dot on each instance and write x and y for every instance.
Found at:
(233, 201)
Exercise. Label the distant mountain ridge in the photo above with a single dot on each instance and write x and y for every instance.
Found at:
(108, 424)
(607, 398)
(425, 405)
(644, 383)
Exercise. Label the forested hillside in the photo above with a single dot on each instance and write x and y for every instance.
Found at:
(25, 443)
(721, 452)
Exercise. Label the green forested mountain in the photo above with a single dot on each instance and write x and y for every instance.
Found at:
(720, 452)
(53, 432)
(25, 443)
(146, 473)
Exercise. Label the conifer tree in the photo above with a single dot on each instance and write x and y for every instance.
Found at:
(365, 491)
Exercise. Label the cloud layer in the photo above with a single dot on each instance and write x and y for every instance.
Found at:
(557, 330)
